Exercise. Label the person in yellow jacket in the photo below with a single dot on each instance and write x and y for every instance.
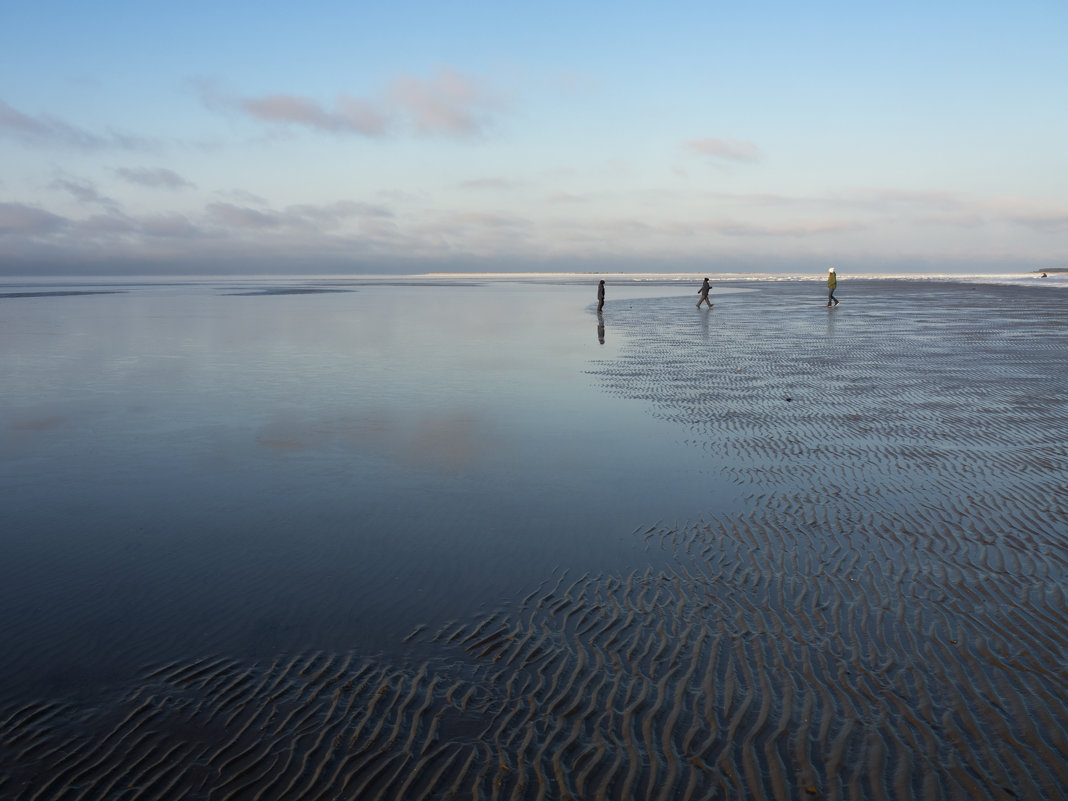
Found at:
(832, 282)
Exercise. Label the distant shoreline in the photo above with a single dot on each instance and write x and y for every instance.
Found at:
(17, 286)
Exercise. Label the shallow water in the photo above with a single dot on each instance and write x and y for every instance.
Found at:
(245, 468)
(415, 541)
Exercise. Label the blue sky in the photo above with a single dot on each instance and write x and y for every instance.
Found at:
(420, 137)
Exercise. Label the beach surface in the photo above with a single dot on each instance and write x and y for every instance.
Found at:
(468, 538)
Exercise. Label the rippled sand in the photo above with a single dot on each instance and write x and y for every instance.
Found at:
(884, 618)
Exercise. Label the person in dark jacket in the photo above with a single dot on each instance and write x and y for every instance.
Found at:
(832, 283)
(600, 295)
(703, 292)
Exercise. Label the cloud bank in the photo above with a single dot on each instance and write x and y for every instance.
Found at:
(350, 235)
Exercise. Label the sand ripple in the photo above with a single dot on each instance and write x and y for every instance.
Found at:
(701, 682)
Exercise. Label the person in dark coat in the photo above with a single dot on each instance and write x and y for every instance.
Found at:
(600, 295)
(703, 292)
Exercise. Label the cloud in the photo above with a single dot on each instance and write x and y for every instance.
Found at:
(85, 192)
(18, 218)
(728, 149)
(244, 196)
(929, 208)
(45, 130)
(243, 217)
(948, 209)
(486, 220)
(101, 228)
(449, 103)
(910, 200)
(108, 224)
(351, 116)
(152, 177)
(623, 229)
(363, 116)
(333, 213)
(798, 230)
(306, 216)
(170, 226)
(1047, 223)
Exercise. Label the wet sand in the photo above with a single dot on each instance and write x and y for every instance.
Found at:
(877, 610)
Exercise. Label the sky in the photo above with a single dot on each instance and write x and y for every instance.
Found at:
(410, 137)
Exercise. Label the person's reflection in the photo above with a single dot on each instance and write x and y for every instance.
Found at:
(600, 327)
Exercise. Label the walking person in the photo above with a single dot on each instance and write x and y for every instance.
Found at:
(832, 283)
(703, 292)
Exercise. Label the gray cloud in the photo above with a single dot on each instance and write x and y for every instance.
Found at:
(306, 216)
(487, 220)
(18, 218)
(244, 196)
(243, 217)
(85, 192)
(1048, 223)
(333, 213)
(45, 130)
(170, 226)
(728, 149)
(152, 177)
(108, 224)
(116, 227)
